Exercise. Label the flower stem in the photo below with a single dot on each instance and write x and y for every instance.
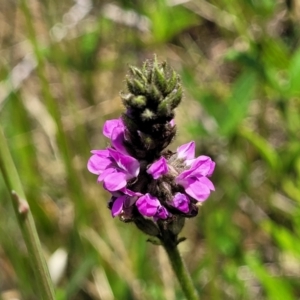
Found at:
(26, 222)
(181, 271)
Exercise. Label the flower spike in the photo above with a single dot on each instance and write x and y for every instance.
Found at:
(153, 187)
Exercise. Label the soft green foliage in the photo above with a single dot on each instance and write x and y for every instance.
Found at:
(239, 63)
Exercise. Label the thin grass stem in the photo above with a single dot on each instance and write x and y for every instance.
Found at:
(26, 222)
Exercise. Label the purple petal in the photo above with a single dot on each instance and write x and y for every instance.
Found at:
(126, 163)
(182, 177)
(181, 202)
(117, 206)
(117, 139)
(161, 213)
(207, 182)
(110, 125)
(115, 129)
(99, 162)
(131, 197)
(131, 193)
(105, 173)
(114, 181)
(158, 168)
(203, 165)
(196, 189)
(186, 151)
(212, 168)
(147, 205)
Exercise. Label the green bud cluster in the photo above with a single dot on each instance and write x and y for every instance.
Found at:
(154, 91)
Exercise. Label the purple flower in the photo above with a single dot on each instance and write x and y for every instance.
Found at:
(194, 180)
(115, 130)
(122, 201)
(158, 168)
(150, 206)
(114, 168)
(181, 202)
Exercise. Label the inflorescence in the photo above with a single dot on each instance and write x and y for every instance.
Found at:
(150, 186)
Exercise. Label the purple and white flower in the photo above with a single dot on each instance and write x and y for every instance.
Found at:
(181, 202)
(194, 176)
(114, 168)
(195, 181)
(150, 206)
(158, 168)
(123, 200)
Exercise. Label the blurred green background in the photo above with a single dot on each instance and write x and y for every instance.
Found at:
(63, 65)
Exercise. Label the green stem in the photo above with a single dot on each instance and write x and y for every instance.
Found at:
(181, 271)
(26, 222)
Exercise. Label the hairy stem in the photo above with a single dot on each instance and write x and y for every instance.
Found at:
(180, 269)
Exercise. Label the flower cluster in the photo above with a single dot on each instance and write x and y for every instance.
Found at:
(150, 185)
(120, 172)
